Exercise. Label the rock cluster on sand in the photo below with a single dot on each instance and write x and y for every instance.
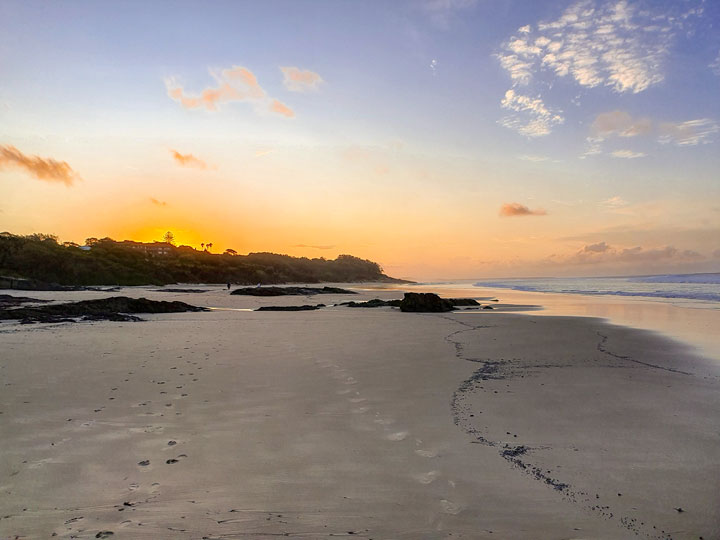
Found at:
(182, 290)
(287, 291)
(464, 302)
(115, 308)
(7, 300)
(290, 308)
(425, 302)
(375, 302)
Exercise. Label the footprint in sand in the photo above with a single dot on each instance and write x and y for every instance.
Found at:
(426, 453)
(397, 436)
(357, 400)
(144, 462)
(428, 477)
(360, 410)
(172, 461)
(343, 392)
(450, 507)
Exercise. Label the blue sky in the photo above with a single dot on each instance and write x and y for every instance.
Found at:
(598, 120)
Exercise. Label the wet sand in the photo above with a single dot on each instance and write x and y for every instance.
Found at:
(366, 423)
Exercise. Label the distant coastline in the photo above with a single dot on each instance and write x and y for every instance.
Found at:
(40, 262)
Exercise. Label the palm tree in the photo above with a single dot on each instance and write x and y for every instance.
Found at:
(202, 245)
(208, 245)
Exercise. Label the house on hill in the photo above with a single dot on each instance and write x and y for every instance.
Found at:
(152, 249)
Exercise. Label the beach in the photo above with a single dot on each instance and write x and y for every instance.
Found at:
(351, 422)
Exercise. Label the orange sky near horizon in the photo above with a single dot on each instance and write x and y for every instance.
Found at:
(441, 139)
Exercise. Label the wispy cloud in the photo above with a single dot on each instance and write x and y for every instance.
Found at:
(532, 117)
(534, 158)
(600, 247)
(157, 202)
(443, 12)
(613, 124)
(689, 133)
(233, 84)
(617, 45)
(614, 202)
(602, 252)
(47, 169)
(627, 154)
(188, 160)
(282, 109)
(621, 124)
(299, 80)
(517, 209)
(715, 65)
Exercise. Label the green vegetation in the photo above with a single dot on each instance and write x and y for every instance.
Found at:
(40, 257)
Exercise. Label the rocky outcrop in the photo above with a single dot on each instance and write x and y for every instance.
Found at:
(116, 308)
(464, 302)
(290, 308)
(375, 302)
(425, 302)
(289, 291)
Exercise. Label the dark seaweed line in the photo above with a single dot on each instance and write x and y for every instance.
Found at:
(603, 349)
(492, 370)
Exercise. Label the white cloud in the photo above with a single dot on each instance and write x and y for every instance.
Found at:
(531, 116)
(617, 45)
(627, 154)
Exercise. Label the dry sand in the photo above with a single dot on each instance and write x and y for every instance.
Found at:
(366, 423)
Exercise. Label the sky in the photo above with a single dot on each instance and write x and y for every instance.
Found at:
(441, 138)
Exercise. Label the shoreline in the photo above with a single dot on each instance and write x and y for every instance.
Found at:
(372, 422)
(679, 320)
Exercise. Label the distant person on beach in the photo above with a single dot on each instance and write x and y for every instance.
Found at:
(228, 286)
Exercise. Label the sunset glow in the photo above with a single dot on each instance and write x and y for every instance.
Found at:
(443, 139)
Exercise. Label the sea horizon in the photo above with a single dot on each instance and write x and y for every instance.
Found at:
(685, 312)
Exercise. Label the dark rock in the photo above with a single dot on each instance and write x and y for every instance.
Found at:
(290, 308)
(288, 291)
(488, 307)
(26, 284)
(116, 308)
(375, 302)
(22, 284)
(182, 290)
(425, 302)
(464, 302)
(7, 300)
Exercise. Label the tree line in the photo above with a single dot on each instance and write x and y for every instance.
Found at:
(41, 257)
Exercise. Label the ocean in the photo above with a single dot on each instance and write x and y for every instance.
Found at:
(685, 307)
(703, 288)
